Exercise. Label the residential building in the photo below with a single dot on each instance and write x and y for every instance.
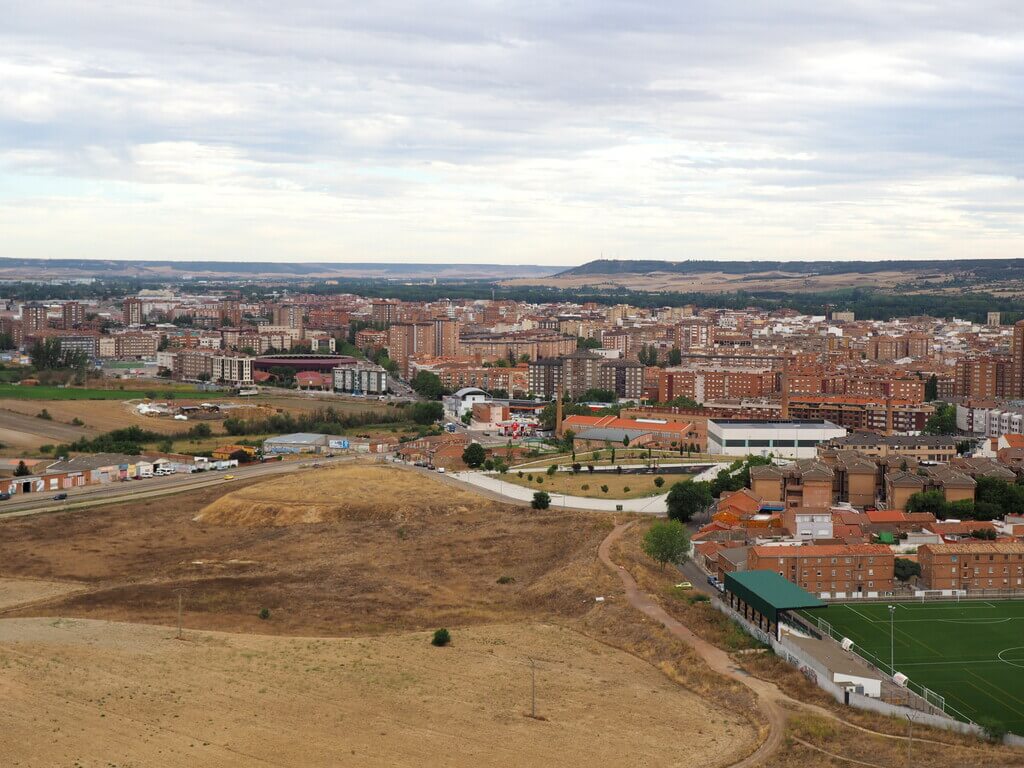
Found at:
(835, 569)
(972, 565)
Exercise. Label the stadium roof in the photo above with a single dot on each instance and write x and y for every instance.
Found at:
(768, 593)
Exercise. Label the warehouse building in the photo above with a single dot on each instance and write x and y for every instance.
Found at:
(785, 439)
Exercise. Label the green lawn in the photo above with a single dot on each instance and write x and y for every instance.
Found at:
(85, 393)
(972, 653)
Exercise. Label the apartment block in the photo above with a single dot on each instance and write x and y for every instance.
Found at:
(972, 565)
(837, 569)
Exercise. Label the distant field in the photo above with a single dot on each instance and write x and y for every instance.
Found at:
(970, 652)
(83, 393)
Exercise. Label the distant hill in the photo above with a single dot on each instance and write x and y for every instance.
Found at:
(14, 269)
(996, 269)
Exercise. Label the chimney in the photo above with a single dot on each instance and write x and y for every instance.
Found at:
(558, 415)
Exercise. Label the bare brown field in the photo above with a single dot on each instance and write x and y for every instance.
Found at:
(390, 550)
(15, 592)
(123, 694)
(720, 282)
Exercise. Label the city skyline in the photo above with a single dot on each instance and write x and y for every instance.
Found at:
(509, 135)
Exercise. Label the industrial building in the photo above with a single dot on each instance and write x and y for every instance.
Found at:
(785, 439)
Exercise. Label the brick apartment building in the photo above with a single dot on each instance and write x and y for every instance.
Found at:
(583, 370)
(832, 568)
(972, 565)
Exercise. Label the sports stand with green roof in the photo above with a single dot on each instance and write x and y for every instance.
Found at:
(761, 595)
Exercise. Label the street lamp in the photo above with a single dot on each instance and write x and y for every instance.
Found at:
(892, 645)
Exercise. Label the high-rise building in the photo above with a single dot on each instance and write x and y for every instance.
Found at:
(33, 317)
(72, 314)
(993, 318)
(132, 311)
(1017, 356)
(288, 315)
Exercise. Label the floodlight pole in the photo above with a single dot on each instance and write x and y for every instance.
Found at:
(892, 643)
(910, 739)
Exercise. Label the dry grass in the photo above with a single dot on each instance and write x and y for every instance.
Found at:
(131, 695)
(392, 550)
(566, 482)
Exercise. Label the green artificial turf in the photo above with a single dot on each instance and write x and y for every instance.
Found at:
(971, 652)
(24, 392)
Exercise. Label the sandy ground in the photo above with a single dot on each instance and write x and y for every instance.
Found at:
(84, 693)
(21, 591)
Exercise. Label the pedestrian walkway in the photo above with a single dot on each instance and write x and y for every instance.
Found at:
(649, 505)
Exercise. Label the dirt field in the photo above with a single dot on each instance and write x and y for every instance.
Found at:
(388, 550)
(21, 591)
(120, 694)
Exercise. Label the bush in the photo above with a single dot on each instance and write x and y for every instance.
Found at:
(659, 481)
(541, 500)
(45, 415)
(604, 489)
(552, 469)
(506, 579)
(77, 422)
(529, 477)
(441, 638)
(585, 487)
(576, 467)
(625, 489)
(540, 480)
(489, 465)
(520, 473)
(264, 613)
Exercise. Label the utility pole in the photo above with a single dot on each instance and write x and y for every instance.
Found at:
(910, 739)
(533, 689)
(892, 642)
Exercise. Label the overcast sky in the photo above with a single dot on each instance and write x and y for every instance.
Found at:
(520, 132)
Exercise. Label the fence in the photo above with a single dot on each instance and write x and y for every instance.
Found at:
(929, 699)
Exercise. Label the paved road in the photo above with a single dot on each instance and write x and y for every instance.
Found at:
(648, 505)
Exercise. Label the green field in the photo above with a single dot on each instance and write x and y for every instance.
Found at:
(84, 393)
(972, 653)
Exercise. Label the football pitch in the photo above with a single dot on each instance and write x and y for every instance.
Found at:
(971, 652)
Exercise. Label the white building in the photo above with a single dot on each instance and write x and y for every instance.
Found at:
(784, 439)
(361, 379)
(462, 402)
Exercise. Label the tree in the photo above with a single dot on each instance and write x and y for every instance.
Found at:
(686, 499)
(474, 455)
(667, 542)
(427, 413)
(427, 384)
(541, 500)
(905, 569)
(931, 388)
(552, 469)
(927, 501)
(441, 638)
(22, 470)
(625, 441)
(587, 343)
(943, 421)
(659, 481)
(675, 356)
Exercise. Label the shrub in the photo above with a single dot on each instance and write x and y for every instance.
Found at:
(506, 579)
(590, 468)
(659, 481)
(441, 638)
(604, 489)
(541, 500)
(540, 480)
(520, 473)
(264, 613)
(585, 487)
(625, 489)
(552, 469)
(576, 467)
(489, 465)
(77, 422)
(45, 415)
(529, 477)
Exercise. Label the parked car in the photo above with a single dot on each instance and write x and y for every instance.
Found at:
(60, 497)
(441, 470)
(229, 477)
(684, 585)
(4, 496)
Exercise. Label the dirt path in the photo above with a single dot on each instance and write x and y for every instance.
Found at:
(768, 695)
